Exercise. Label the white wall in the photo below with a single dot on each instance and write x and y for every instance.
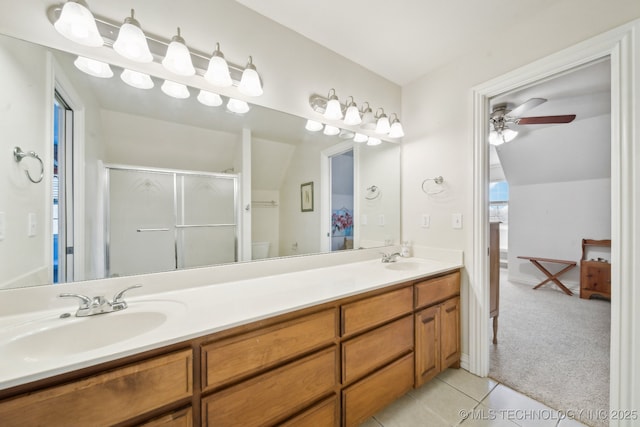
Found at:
(266, 219)
(550, 220)
(437, 115)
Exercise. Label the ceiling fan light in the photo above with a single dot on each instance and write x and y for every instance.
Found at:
(360, 137)
(509, 134)
(93, 68)
(218, 70)
(131, 42)
(209, 99)
(237, 106)
(331, 130)
(178, 59)
(136, 79)
(175, 90)
(374, 141)
(313, 126)
(250, 84)
(77, 24)
(333, 110)
(495, 138)
(352, 115)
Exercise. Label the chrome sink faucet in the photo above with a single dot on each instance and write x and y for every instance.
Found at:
(390, 257)
(90, 306)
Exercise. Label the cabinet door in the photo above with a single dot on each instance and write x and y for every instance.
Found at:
(449, 333)
(427, 329)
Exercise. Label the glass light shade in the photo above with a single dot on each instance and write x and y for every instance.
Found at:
(218, 70)
(368, 119)
(352, 116)
(131, 42)
(331, 130)
(136, 79)
(500, 137)
(237, 106)
(77, 24)
(334, 110)
(93, 68)
(175, 90)
(509, 134)
(178, 59)
(383, 126)
(396, 130)
(374, 141)
(313, 126)
(360, 137)
(250, 84)
(209, 98)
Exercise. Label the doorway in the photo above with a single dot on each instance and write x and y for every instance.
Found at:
(341, 170)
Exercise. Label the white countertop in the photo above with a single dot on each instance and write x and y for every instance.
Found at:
(191, 313)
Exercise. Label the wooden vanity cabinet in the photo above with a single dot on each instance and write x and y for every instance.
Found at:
(437, 327)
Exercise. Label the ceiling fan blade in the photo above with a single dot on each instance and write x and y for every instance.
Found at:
(526, 106)
(543, 120)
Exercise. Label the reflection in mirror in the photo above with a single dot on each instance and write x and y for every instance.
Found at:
(68, 224)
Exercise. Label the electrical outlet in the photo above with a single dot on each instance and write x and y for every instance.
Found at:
(456, 221)
(364, 220)
(32, 224)
(381, 220)
(426, 221)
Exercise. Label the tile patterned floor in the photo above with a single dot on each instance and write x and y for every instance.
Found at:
(458, 398)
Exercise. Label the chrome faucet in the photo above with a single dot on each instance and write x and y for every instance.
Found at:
(390, 257)
(90, 306)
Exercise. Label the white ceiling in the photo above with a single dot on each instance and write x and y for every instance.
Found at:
(400, 40)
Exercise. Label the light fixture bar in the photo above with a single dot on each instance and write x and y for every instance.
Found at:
(158, 46)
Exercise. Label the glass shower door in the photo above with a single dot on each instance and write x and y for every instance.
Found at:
(141, 222)
(207, 224)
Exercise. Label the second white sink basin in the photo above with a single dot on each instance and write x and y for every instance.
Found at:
(55, 337)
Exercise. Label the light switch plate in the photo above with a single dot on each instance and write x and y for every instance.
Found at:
(32, 224)
(381, 220)
(425, 222)
(456, 221)
(364, 220)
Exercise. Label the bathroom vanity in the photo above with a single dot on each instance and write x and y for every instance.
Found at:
(325, 347)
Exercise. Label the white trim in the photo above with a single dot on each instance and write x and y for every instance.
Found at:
(622, 46)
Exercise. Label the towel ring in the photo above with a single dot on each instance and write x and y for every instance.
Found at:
(18, 155)
(438, 180)
(373, 193)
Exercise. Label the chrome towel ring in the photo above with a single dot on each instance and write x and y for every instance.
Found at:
(18, 155)
(373, 193)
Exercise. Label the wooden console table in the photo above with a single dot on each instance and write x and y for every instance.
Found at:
(551, 276)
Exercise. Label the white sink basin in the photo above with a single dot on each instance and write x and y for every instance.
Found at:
(404, 266)
(55, 337)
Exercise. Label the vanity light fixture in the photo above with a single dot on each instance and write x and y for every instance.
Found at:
(136, 79)
(333, 109)
(93, 68)
(331, 130)
(396, 130)
(313, 126)
(178, 59)
(250, 84)
(360, 137)
(76, 23)
(374, 141)
(382, 125)
(218, 70)
(237, 106)
(209, 99)
(352, 115)
(175, 90)
(131, 42)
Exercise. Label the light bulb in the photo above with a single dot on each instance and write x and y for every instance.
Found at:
(313, 126)
(77, 24)
(237, 106)
(382, 126)
(396, 130)
(209, 98)
(178, 59)
(333, 111)
(250, 84)
(136, 79)
(131, 42)
(218, 70)
(175, 90)
(331, 130)
(93, 68)
(352, 115)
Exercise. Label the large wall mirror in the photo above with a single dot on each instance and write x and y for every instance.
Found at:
(135, 181)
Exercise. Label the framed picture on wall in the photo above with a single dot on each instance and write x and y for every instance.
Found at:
(306, 197)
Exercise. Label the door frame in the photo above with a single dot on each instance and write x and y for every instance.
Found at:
(622, 47)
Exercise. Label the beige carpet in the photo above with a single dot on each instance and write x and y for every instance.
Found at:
(554, 348)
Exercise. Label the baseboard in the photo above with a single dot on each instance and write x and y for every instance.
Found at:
(464, 361)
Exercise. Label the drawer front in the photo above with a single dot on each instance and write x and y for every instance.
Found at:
(436, 290)
(182, 418)
(237, 357)
(369, 351)
(367, 313)
(275, 395)
(324, 414)
(108, 398)
(376, 391)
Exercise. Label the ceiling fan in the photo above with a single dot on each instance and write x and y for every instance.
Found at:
(501, 117)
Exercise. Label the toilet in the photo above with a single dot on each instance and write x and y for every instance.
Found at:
(260, 250)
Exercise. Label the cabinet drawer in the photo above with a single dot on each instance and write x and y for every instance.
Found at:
(439, 289)
(376, 391)
(275, 395)
(367, 313)
(375, 348)
(324, 414)
(108, 398)
(237, 357)
(181, 418)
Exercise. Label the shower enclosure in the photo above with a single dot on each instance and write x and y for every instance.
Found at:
(160, 220)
